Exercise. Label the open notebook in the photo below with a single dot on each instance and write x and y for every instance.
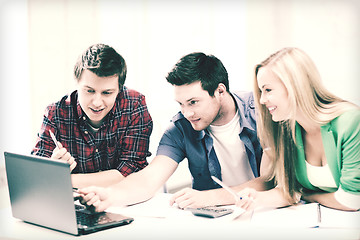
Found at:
(41, 193)
(311, 215)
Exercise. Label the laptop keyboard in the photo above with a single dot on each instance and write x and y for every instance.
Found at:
(86, 218)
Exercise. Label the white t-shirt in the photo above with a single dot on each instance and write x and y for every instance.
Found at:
(231, 152)
(322, 177)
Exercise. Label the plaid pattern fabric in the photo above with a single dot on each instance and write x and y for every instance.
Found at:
(121, 143)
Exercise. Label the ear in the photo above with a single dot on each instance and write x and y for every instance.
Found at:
(221, 89)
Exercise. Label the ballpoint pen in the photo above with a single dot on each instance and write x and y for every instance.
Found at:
(54, 139)
(235, 195)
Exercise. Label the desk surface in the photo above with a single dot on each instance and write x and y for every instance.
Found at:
(155, 219)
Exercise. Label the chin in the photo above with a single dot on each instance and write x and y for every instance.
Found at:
(197, 127)
(275, 119)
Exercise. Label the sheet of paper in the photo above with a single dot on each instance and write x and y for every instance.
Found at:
(159, 207)
(300, 216)
(331, 218)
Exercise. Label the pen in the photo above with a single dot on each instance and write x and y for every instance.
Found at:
(235, 195)
(54, 139)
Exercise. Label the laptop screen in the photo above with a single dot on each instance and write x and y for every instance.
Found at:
(40, 191)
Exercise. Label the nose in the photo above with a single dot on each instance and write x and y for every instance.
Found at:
(97, 100)
(263, 99)
(187, 112)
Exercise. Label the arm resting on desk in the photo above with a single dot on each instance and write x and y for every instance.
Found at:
(326, 199)
(135, 188)
(100, 179)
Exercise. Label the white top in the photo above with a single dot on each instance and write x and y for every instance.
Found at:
(231, 152)
(320, 176)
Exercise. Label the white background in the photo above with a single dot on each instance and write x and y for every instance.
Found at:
(41, 39)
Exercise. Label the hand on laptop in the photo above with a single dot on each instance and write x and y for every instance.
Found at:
(62, 154)
(95, 196)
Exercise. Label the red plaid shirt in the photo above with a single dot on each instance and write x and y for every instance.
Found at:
(122, 141)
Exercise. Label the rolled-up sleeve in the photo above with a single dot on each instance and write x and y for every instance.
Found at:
(348, 193)
(172, 144)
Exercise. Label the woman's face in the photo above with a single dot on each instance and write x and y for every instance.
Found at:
(274, 94)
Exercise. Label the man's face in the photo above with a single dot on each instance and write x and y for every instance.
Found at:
(197, 105)
(97, 95)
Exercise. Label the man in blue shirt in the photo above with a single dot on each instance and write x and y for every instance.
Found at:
(215, 131)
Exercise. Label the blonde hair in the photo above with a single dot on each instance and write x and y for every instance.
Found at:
(306, 94)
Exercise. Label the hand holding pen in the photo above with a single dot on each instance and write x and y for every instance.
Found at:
(244, 201)
(61, 153)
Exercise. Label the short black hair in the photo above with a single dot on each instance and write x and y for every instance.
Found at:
(102, 60)
(198, 66)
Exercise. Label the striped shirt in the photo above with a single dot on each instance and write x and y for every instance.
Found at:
(122, 141)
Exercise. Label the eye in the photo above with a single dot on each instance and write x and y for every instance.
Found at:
(90, 91)
(107, 93)
(192, 102)
(267, 90)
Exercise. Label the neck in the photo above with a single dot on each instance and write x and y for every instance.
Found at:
(226, 112)
(309, 126)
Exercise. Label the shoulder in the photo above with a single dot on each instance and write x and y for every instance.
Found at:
(244, 100)
(347, 122)
(177, 122)
(181, 128)
(346, 127)
(128, 93)
(246, 105)
(60, 107)
(130, 100)
(245, 97)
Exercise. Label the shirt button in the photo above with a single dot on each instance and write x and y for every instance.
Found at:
(86, 132)
(96, 150)
(84, 118)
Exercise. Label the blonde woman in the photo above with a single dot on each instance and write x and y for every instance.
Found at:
(310, 136)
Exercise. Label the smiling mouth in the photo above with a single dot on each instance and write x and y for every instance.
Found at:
(271, 109)
(96, 110)
(195, 120)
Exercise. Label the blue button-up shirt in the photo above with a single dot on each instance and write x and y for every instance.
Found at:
(181, 141)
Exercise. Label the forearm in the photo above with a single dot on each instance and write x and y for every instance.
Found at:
(222, 197)
(132, 190)
(326, 199)
(259, 184)
(142, 185)
(271, 198)
(100, 179)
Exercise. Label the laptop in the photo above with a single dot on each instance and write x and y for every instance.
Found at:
(41, 193)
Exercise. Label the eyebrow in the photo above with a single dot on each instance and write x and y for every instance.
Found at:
(263, 86)
(107, 90)
(189, 100)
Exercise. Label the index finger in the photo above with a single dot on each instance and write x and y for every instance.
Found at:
(176, 196)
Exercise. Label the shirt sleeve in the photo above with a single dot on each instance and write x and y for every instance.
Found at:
(350, 145)
(135, 144)
(348, 199)
(172, 144)
(44, 144)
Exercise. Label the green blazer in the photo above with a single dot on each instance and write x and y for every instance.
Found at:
(341, 140)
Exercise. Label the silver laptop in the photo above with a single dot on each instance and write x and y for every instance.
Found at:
(41, 193)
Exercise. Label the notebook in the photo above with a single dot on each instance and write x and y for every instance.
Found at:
(41, 193)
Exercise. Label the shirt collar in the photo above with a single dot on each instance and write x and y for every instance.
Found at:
(244, 123)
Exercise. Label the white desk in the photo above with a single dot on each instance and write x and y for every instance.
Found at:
(155, 219)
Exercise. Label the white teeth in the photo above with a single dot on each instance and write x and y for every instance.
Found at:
(271, 108)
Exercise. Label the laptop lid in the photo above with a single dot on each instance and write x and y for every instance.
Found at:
(41, 193)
